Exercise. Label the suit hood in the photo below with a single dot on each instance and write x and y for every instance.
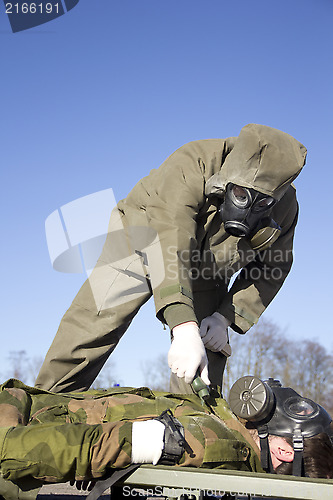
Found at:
(263, 158)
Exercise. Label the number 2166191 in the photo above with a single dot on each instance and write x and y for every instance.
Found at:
(32, 8)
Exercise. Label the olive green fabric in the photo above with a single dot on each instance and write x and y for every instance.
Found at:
(264, 159)
(181, 201)
(61, 437)
(166, 239)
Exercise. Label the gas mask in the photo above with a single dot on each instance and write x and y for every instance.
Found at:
(245, 214)
(278, 411)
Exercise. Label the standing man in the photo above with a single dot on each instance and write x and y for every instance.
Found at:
(213, 208)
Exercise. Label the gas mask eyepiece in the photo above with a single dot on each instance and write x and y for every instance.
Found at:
(244, 213)
(300, 408)
(244, 198)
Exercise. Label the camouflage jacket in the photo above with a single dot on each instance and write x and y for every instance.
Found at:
(59, 437)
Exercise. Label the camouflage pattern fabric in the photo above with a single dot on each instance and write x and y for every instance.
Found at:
(57, 437)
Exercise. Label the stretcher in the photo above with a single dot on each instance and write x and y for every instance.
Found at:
(173, 482)
(180, 483)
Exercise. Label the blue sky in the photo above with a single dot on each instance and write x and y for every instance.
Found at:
(98, 97)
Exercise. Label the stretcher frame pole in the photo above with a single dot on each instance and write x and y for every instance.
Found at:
(173, 482)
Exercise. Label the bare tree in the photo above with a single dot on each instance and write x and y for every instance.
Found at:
(18, 361)
(33, 367)
(260, 352)
(22, 367)
(313, 371)
(266, 352)
(157, 373)
(25, 369)
(107, 377)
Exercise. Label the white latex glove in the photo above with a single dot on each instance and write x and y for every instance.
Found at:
(147, 441)
(214, 333)
(187, 353)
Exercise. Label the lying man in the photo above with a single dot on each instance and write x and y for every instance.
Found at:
(47, 437)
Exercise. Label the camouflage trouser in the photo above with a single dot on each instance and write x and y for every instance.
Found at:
(11, 491)
(101, 313)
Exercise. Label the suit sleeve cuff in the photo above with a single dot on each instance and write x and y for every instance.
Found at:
(240, 323)
(176, 314)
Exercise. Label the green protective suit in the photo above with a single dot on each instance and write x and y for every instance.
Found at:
(166, 239)
(48, 437)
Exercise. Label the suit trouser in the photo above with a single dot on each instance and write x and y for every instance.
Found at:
(98, 317)
(93, 325)
(90, 330)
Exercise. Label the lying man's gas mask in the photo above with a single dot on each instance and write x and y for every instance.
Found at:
(245, 213)
(279, 411)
